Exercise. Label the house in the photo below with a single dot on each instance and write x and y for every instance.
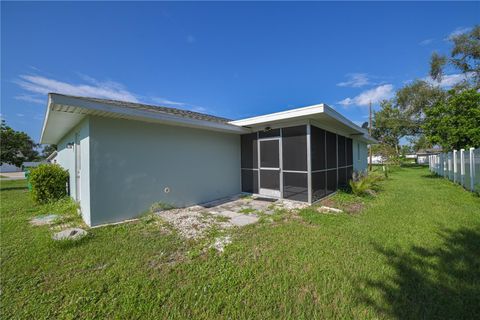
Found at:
(377, 159)
(6, 167)
(123, 156)
(423, 154)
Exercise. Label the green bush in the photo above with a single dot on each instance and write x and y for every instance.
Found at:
(363, 184)
(49, 182)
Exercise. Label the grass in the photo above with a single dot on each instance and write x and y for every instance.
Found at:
(411, 252)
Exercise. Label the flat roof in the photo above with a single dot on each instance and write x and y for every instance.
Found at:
(320, 113)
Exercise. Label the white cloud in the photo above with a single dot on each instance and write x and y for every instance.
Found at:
(458, 31)
(37, 87)
(178, 104)
(31, 98)
(450, 80)
(355, 80)
(40, 85)
(426, 42)
(374, 96)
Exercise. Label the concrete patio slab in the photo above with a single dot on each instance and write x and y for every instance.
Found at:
(243, 220)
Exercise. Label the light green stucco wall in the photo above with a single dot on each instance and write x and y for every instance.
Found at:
(66, 158)
(133, 162)
(360, 161)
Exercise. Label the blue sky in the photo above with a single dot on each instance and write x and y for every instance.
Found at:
(229, 59)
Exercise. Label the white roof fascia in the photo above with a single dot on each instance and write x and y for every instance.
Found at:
(306, 113)
(45, 120)
(278, 116)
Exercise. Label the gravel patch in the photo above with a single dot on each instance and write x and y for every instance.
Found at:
(193, 222)
(221, 242)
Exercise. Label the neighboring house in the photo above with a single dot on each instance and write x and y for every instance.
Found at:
(12, 168)
(423, 154)
(122, 156)
(377, 159)
(6, 167)
(32, 164)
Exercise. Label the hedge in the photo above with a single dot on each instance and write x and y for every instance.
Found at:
(49, 183)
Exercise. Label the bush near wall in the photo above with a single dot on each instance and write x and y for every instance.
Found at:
(49, 183)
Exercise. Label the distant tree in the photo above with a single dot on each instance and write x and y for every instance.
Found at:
(389, 125)
(16, 147)
(465, 57)
(405, 149)
(420, 142)
(47, 150)
(455, 123)
(413, 99)
(365, 125)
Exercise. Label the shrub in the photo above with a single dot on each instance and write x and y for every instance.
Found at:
(363, 184)
(49, 183)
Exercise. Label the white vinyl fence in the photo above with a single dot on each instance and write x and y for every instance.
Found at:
(462, 167)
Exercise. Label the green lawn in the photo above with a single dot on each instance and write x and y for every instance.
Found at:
(413, 251)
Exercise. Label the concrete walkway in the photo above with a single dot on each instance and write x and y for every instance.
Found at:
(12, 176)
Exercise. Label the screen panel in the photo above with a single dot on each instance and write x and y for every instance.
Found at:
(294, 148)
(250, 181)
(349, 173)
(318, 185)
(331, 181)
(342, 177)
(249, 150)
(270, 179)
(342, 157)
(331, 149)
(349, 152)
(269, 154)
(317, 146)
(269, 134)
(295, 186)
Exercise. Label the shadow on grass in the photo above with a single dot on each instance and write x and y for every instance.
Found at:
(13, 188)
(432, 283)
(432, 176)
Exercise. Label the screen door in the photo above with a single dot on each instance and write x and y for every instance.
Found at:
(270, 167)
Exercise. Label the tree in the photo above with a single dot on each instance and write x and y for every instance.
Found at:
(420, 142)
(16, 146)
(465, 57)
(47, 150)
(389, 125)
(413, 99)
(455, 123)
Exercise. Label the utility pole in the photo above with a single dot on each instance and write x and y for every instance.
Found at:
(370, 133)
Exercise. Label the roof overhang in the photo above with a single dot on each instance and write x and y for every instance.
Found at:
(65, 112)
(320, 114)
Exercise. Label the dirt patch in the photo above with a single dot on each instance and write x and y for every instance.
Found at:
(354, 208)
(350, 207)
